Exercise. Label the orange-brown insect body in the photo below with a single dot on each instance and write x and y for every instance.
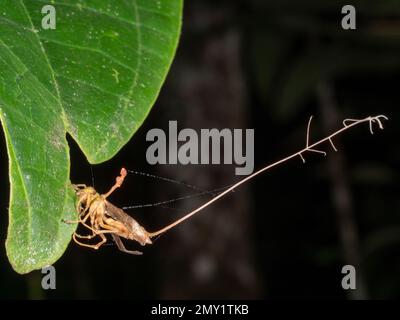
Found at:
(112, 216)
(100, 216)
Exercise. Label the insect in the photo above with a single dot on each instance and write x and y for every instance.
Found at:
(101, 217)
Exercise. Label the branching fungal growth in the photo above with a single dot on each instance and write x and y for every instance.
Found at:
(99, 216)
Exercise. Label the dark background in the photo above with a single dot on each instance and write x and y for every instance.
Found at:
(266, 65)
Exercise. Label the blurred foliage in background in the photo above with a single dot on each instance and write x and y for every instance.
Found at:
(303, 222)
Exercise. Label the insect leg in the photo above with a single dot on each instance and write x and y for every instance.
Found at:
(121, 246)
(97, 222)
(81, 243)
(79, 185)
(93, 246)
(83, 222)
(91, 236)
(103, 240)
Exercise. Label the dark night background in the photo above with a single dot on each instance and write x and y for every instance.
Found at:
(266, 65)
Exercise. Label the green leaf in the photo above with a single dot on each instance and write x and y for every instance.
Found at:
(96, 76)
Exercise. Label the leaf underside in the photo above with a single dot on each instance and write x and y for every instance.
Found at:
(96, 77)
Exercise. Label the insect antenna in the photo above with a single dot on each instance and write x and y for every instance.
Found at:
(202, 192)
(190, 196)
(91, 172)
(153, 176)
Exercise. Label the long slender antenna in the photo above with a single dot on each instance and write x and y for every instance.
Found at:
(190, 196)
(153, 176)
(347, 124)
(91, 171)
